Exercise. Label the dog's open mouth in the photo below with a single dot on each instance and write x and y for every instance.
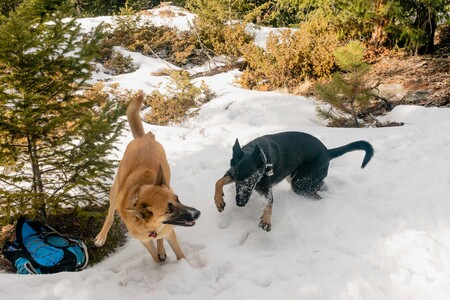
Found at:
(185, 223)
(186, 219)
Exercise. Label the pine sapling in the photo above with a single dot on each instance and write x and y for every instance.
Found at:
(346, 92)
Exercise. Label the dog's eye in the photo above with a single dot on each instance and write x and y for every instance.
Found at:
(169, 209)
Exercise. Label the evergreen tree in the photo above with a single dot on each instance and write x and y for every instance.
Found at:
(55, 143)
(413, 22)
(7, 6)
(409, 24)
(109, 7)
(346, 91)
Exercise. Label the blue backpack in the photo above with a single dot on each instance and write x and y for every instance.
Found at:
(40, 249)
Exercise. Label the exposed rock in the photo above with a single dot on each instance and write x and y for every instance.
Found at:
(394, 92)
(416, 97)
(420, 80)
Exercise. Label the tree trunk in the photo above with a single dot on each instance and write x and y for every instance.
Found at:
(354, 115)
(426, 21)
(37, 186)
(78, 7)
(379, 37)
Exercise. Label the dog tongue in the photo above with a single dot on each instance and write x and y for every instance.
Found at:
(153, 234)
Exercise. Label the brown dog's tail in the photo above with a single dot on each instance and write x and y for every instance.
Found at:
(133, 115)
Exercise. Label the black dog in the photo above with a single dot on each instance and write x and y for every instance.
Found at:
(265, 161)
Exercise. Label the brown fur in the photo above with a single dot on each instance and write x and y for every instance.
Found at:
(141, 192)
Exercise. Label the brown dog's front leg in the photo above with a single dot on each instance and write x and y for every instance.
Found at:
(160, 250)
(173, 242)
(218, 195)
(100, 239)
(152, 250)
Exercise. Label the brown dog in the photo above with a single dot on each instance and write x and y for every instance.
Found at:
(142, 195)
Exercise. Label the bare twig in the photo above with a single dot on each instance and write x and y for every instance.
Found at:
(204, 49)
(221, 69)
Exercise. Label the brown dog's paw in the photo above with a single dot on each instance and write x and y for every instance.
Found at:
(99, 240)
(162, 256)
(267, 226)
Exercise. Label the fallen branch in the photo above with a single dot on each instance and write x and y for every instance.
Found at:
(222, 69)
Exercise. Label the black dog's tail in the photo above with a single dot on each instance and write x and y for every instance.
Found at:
(359, 145)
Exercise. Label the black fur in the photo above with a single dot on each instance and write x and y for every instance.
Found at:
(298, 156)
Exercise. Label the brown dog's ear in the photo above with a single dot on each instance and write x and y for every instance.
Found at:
(133, 212)
(237, 151)
(143, 213)
(159, 181)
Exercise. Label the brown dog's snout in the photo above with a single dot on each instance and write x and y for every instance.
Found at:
(183, 216)
(194, 212)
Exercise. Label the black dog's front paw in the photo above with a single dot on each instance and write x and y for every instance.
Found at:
(265, 226)
(220, 204)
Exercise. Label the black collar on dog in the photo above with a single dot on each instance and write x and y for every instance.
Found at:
(268, 169)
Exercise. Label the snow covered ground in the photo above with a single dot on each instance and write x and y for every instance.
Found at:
(378, 233)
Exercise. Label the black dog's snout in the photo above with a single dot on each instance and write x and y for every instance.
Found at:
(240, 204)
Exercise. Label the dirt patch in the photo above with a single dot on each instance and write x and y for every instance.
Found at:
(427, 75)
(425, 78)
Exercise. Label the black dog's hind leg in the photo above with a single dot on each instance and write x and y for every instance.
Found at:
(218, 195)
(307, 187)
(266, 218)
(308, 178)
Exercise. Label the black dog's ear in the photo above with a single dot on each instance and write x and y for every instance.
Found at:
(237, 151)
(258, 156)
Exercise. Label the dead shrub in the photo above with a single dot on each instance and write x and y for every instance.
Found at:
(177, 47)
(222, 39)
(163, 72)
(232, 40)
(290, 57)
(119, 64)
(181, 100)
(101, 92)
